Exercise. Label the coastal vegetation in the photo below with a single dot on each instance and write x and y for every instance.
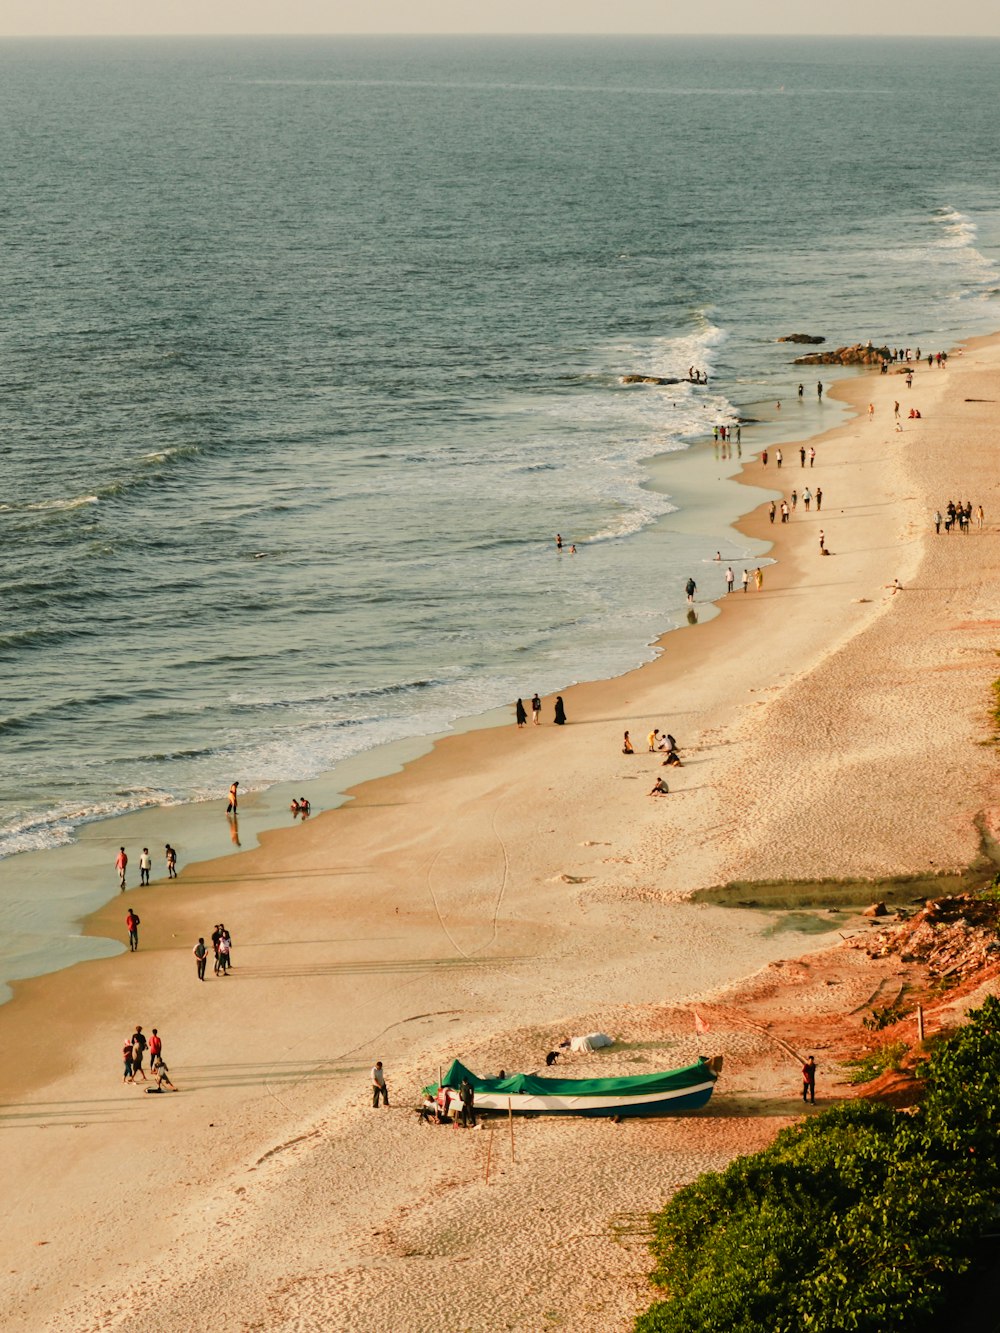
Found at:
(860, 1218)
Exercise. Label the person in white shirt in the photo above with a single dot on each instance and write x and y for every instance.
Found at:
(379, 1088)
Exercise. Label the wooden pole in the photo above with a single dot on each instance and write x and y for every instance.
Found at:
(920, 1022)
(510, 1120)
(489, 1153)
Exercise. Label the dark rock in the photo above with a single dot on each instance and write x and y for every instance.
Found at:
(801, 338)
(647, 379)
(860, 354)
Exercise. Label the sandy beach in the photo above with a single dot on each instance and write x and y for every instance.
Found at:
(509, 889)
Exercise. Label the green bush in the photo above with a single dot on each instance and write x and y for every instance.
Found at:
(859, 1219)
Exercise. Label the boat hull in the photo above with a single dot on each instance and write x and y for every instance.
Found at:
(669, 1103)
(669, 1092)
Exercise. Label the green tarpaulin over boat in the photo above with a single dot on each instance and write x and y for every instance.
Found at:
(535, 1085)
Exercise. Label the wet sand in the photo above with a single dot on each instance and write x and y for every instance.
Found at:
(506, 890)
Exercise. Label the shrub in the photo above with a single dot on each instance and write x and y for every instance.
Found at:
(860, 1219)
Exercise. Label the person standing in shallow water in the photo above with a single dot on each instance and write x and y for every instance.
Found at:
(171, 856)
(522, 716)
(233, 796)
(560, 717)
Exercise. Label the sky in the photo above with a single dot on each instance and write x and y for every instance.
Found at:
(915, 18)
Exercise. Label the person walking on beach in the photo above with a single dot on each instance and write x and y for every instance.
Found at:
(938, 520)
(521, 715)
(225, 947)
(653, 739)
(379, 1088)
(536, 710)
(746, 579)
(155, 1047)
(467, 1096)
(809, 1080)
(980, 517)
(730, 579)
(812, 456)
(822, 541)
(807, 498)
(138, 1052)
(690, 588)
(145, 866)
(560, 714)
(795, 499)
(200, 952)
(802, 456)
(772, 511)
(216, 936)
(132, 926)
(895, 410)
(233, 794)
(127, 1057)
(763, 457)
(819, 388)
(778, 458)
(171, 856)
(784, 511)
(121, 865)
(819, 498)
(871, 411)
(758, 578)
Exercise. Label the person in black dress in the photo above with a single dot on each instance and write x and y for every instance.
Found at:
(560, 718)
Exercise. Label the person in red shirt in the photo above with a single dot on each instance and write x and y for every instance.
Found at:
(121, 864)
(132, 926)
(155, 1047)
(809, 1080)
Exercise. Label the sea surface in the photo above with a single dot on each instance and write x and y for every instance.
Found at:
(310, 348)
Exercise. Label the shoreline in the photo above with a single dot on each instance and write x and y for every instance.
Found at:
(483, 898)
(86, 859)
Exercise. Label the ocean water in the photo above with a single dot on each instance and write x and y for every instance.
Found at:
(311, 347)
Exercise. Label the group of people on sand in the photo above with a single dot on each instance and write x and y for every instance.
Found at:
(145, 865)
(657, 742)
(521, 713)
(134, 1056)
(222, 948)
(437, 1110)
(960, 516)
(788, 507)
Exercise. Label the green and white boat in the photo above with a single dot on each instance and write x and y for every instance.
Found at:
(666, 1093)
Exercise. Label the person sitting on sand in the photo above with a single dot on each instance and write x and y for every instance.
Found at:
(627, 745)
(673, 759)
(659, 788)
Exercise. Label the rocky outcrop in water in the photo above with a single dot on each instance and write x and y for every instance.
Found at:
(861, 354)
(647, 379)
(801, 338)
